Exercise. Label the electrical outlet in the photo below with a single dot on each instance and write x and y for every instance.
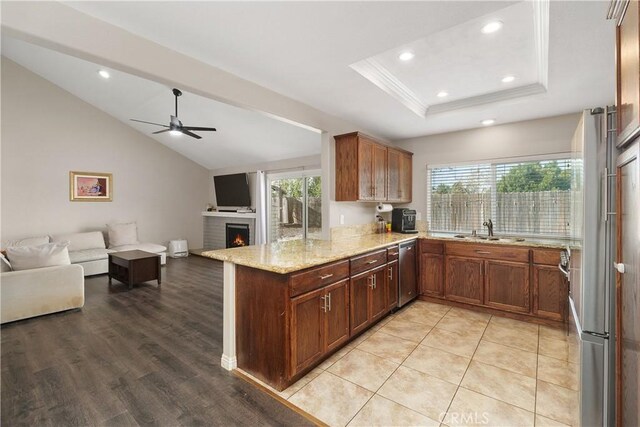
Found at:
(341, 219)
(418, 216)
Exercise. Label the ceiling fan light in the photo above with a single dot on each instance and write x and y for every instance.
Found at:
(174, 132)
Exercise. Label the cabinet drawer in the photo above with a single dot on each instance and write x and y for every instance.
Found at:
(318, 276)
(431, 247)
(546, 256)
(506, 253)
(367, 261)
(393, 253)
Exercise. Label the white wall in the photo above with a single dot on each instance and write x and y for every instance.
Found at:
(47, 132)
(529, 138)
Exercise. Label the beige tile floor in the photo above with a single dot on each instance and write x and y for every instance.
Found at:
(433, 365)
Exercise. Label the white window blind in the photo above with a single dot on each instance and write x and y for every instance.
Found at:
(521, 198)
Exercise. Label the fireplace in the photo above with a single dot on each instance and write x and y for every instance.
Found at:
(237, 235)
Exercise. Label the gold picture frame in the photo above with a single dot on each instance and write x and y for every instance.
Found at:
(90, 187)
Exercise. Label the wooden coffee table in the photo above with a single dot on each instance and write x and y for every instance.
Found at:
(131, 267)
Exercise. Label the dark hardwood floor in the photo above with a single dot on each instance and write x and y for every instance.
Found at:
(145, 356)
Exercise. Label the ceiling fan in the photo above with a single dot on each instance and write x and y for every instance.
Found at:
(175, 126)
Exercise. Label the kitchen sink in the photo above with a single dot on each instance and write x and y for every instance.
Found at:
(491, 238)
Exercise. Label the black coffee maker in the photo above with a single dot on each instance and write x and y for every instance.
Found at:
(403, 220)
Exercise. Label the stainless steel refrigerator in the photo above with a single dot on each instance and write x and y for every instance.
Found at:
(590, 264)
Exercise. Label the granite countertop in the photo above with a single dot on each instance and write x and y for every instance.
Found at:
(294, 255)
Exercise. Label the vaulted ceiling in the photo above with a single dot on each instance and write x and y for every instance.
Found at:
(342, 57)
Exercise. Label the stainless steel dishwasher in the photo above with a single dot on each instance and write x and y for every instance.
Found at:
(407, 273)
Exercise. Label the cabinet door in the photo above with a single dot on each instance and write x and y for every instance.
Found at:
(464, 279)
(432, 275)
(392, 285)
(394, 161)
(307, 329)
(378, 292)
(507, 285)
(366, 169)
(359, 300)
(628, 74)
(550, 293)
(406, 177)
(379, 172)
(337, 314)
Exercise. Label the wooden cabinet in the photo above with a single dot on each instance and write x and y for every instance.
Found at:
(464, 279)
(392, 285)
(550, 287)
(368, 298)
(399, 181)
(367, 170)
(319, 323)
(628, 74)
(507, 285)
(431, 268)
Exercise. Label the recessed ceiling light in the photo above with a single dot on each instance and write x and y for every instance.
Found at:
(491, 27)
(406, 56)
(488, 122)
(104, 74)
(175, 132)
(442, 94)
(508, 79)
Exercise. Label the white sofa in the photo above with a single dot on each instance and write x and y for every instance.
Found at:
(29, 293)
(89, 250)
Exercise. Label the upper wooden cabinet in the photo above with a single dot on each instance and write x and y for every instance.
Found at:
(628, 74)
(367, 170)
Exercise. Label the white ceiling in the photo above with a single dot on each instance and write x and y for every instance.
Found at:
(243, 137)
(304, 50)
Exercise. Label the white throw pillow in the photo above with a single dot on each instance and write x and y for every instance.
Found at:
(123, 234)
(47, 255)
(4, 264)
(29, 241)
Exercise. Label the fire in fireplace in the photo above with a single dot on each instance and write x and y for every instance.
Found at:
(237, 235)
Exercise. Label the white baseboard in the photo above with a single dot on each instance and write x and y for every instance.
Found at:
(229, 363)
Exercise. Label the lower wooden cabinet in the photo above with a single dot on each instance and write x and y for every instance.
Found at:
(319, 323)
(550, 293)
(507, 285)
(432, 274)
(368, 298)
(392, 285)
(464, 279)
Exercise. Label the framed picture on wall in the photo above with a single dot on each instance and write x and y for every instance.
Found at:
(90, 186)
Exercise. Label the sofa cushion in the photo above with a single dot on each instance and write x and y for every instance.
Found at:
(29, 241)
(47, 255)
(122, 234)
(147, 247)
(5, 266)
(88, 255)
(81, 241)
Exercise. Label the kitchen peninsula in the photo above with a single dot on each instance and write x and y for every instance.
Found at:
(290, 305)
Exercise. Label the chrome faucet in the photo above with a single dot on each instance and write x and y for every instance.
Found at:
(489, 225)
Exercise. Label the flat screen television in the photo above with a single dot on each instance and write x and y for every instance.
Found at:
(232, 190)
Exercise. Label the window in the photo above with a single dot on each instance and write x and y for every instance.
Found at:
(296, 206)
(521, 197)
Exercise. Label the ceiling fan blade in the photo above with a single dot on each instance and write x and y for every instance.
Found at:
(160, 131)
(191, 134)
(199, 128)
(150, 123)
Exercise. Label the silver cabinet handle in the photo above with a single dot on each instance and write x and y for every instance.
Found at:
(483, 252)
(329, 297)
(372, 262)
(393, 253)
(324, 303)
(325, 276)
(372, 285)
(390, 273)
(375, 282)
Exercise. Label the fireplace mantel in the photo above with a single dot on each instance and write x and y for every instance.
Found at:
(230, 214)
